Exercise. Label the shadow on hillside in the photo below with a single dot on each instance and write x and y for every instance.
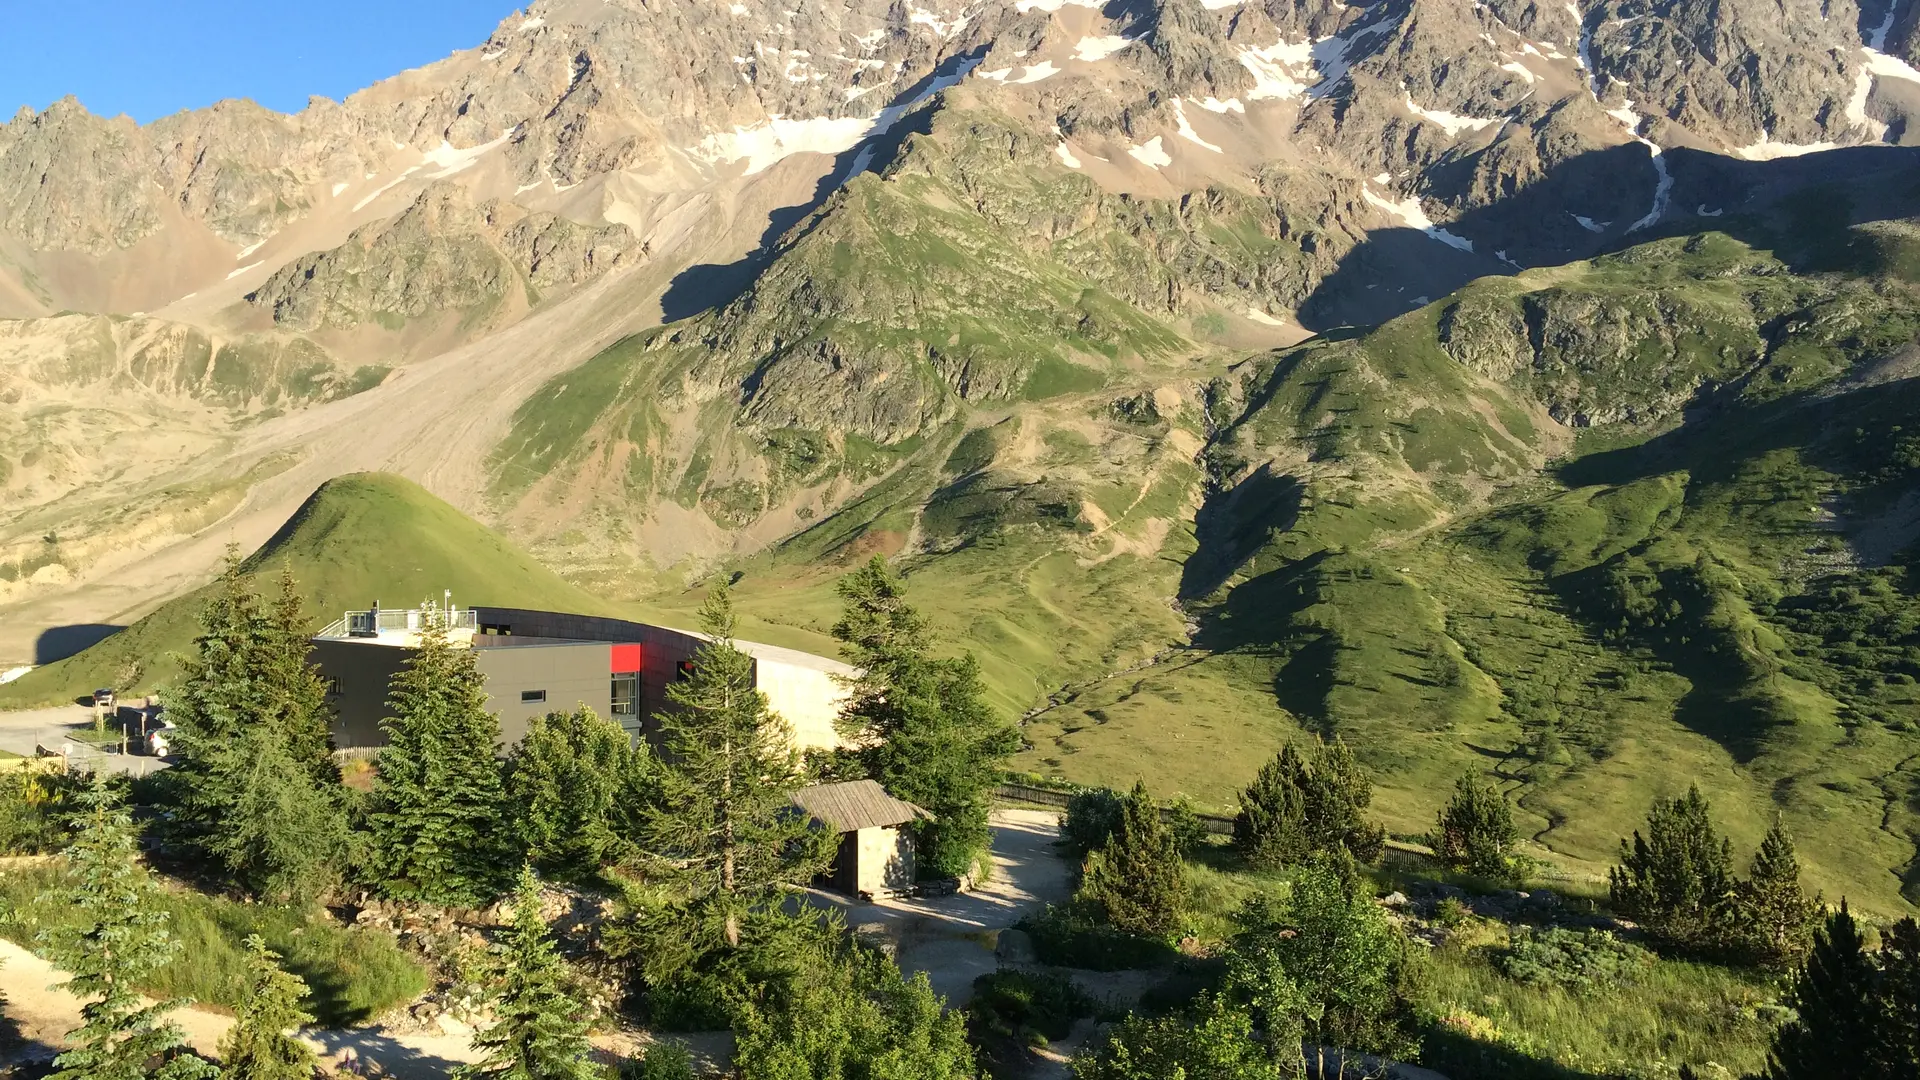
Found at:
(60, 642)
(705, 286)
(1613, 191)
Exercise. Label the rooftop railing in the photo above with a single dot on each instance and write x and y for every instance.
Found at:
(377, 622)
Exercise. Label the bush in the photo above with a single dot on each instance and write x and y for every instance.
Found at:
(34, 806)
(1015, 1002)
(1215, 1040)
(1580, 960)
(1189, 832)
(1092, 816)
(663, 1060)
(1066, 937)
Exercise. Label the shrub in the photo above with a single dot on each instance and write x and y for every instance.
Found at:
(1092, 816)
(1067, 937)
(34, 807)
(1013, 1010)
(1580, 960)
(1189, 832)
(1215, 1041)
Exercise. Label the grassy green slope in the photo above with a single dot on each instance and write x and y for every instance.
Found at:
(1724, 602)
(357, 539)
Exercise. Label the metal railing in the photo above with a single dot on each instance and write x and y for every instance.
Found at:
(378, 621)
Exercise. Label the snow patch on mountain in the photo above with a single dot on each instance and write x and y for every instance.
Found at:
(1409, 212)
(1150, 153)
(1451, 123)
(1094, 49)
(1186, 129)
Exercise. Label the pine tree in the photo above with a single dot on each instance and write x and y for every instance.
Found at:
(921, 725)
(438, 825)
(1834, 996)
(285, 836)
(1677, 880)
(115, 939)
(540, 1030)
(1897, 1015)
(1138, 881)
(573, 780)
(260, 1044)
(724, 818)
(1475, 831)
(1297, 806)
(1774, 915)
(1270, 829)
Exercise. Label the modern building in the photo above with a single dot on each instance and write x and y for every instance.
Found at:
(876, 854)
(537, 662)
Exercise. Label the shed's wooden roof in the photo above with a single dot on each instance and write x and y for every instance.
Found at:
(855, 804)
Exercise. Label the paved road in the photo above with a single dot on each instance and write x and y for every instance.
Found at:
(24, 731)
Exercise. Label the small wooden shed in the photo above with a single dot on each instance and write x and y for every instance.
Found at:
(876, 853)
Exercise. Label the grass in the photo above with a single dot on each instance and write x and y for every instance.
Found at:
(353, 975)
(358, 538)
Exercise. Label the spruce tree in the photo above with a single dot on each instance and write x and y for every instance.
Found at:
(438, 825)
(1834, 997)
(540, 1027)
(573, 781)
(256, 782)
(921, 725)
(116, 937)
(217, 697)
(1270, 829)
(296, 692)
(1678, 879)
(1138, 881)
(1775, 916)
(724, 820)
(1337, 804)
(1475, 831)
(260, 1045)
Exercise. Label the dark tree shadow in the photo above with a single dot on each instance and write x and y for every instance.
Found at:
(60, 642)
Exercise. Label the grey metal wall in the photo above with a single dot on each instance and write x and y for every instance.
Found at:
(661, 649)
(360, 672)
(572, 673)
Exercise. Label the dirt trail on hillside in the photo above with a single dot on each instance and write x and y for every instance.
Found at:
(435, 421)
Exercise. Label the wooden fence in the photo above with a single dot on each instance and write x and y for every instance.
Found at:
(1039, 796)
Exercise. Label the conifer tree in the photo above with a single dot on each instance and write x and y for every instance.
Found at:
(573, 780)
(115, 939)
(540, 1030)
(296, 692)
(257, 785)
(920, 725)
(1297, 806)
(724, 818)
(1475, 831)
(1138, 880)
(217, 697)
(1678, 879)
(1834, 997)
(260, 1044)
(1897, 1015)
(438, 824)
(1775, 915)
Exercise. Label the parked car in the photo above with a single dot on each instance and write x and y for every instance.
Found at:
(103, 698)
(160, 740)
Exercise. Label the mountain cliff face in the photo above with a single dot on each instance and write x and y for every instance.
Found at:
(1454, 377)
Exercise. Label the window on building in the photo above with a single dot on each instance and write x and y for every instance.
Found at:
(685, 669)
(333, 686)
(529, 697)
(495, 629)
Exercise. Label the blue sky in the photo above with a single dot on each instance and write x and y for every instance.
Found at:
(148, 58)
